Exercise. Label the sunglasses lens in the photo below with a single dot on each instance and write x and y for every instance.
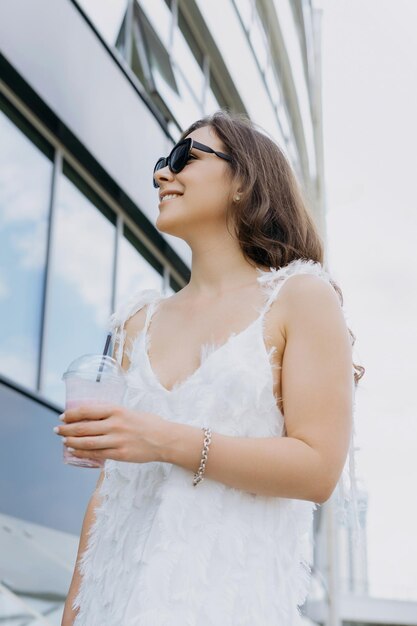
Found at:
(159, 165)
(179, 156)
(177, 160)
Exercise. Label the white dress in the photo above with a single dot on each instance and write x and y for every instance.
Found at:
(162, 552)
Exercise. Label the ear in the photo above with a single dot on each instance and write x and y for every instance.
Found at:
(237, 195)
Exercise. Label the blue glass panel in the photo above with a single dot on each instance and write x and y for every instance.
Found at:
(25, 186)
(81, 279)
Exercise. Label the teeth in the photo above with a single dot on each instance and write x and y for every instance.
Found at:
(170, 196)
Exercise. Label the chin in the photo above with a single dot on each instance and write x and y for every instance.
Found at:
(169, 226)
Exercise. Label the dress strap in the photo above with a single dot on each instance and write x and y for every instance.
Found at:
(272, 281)
(127, 308)
(149, 313)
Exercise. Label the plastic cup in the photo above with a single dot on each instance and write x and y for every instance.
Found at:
(92, 379)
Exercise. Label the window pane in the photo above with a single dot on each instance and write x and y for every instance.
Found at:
(25, 184)
(182, 104)
(160, 17)
(81, 279)
(190, 69)
(178, 78)
(134, 271)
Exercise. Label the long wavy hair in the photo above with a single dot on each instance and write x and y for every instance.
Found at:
(272, 221)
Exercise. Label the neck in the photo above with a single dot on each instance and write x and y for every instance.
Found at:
(218, 267)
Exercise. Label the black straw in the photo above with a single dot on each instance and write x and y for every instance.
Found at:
(105, 351)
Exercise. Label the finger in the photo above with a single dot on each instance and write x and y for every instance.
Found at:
(95, 411)
(97, 455)
(85, 428)
(90, 443)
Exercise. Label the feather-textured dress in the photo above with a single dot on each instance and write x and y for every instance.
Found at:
(162, 552)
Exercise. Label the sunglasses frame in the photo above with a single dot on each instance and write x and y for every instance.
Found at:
(166, 161)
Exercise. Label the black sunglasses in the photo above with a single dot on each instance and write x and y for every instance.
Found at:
(180, 154)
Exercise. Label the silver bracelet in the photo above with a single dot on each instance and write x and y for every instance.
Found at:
(198, 476)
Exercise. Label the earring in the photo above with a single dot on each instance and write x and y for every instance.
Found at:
(236, 198)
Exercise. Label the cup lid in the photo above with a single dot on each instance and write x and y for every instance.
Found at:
(96, 366)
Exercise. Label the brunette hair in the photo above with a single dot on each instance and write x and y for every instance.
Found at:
(272, 221)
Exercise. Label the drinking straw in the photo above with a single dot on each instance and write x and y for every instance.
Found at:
(105, 351)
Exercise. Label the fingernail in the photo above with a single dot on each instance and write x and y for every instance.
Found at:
(56, 429)
(71, 449)
(64, 439)
(62, 416)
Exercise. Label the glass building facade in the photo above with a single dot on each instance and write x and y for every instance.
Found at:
(89, 99)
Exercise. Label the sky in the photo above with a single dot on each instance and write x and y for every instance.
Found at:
(369, 58)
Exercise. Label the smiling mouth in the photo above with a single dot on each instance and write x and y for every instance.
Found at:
(169, 197)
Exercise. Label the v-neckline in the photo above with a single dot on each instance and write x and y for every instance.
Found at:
(181, 383)
(178, 385)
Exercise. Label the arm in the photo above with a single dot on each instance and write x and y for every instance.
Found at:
(69, 614)
(317, 398)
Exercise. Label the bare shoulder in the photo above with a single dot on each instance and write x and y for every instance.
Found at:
(307, 285)
(309, 297)
(311, 305)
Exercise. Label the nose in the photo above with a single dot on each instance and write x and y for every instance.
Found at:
(164, 174)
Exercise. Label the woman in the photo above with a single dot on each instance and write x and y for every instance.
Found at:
(238, 418)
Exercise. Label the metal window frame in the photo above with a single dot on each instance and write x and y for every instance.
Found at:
(56, 175)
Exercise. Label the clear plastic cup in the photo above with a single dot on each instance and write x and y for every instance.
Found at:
(92, 379)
